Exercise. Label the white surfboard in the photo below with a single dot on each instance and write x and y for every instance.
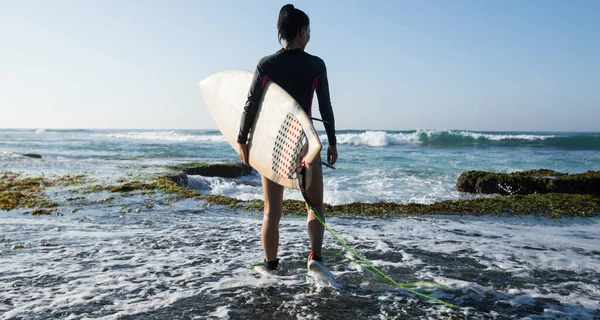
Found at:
(282, 135)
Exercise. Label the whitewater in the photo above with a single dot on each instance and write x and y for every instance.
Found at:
(144, 256)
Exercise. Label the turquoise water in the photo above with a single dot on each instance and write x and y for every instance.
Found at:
(143, 256)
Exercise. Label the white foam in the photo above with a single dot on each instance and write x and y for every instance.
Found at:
(498, 137)
(340, 190)
(222, 312)
(128, 269)
(9, 154)
(375, 138)
(245, 188)
(163, 136)
(384, 138)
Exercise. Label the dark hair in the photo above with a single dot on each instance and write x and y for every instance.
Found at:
(290, 20)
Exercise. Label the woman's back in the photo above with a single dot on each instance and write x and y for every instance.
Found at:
(296, 71)
(299, 74)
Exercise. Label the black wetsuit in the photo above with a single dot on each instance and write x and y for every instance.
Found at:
(299, 74)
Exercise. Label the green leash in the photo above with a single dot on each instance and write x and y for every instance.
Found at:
(408, 284)
(301, 175)
(254, 265)
(367, 265)
(378, 272)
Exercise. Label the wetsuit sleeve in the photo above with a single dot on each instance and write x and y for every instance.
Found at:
(325, 106)
(251, 106)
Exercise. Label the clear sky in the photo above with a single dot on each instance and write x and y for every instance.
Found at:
(400, 65)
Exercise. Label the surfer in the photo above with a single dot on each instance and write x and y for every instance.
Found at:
(300, 74)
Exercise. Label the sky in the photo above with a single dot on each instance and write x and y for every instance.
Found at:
(392, 65)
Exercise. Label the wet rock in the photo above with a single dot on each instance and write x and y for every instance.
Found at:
(32, 155)
(468, 180)
(223, 170)
(553, 205)
(127, 187)
(40, 211)
(529, 182)
(50, 244)
(179, 179)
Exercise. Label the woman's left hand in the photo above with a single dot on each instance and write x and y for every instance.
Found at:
(332, 154)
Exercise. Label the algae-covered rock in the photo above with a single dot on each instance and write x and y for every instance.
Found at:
(23, 192)
(582, 183)
(18, 191)
(468, 180)
(529, 182)
(179, 178)
(223, 170)
(552, 205)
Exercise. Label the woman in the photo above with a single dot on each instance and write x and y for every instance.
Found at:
(300, 74)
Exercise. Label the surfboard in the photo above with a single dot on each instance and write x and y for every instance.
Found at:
(282, 136)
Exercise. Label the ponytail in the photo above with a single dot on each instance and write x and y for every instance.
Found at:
(290, 20)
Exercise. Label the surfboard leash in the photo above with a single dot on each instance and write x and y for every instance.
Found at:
(301, 171)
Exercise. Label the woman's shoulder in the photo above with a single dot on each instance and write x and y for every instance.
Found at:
(315, 58)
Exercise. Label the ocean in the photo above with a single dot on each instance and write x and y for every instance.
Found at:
(123, 259)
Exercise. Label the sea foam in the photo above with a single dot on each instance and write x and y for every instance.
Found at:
(164, 136)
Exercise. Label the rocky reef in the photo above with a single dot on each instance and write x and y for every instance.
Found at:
(540, 181)
(17, 191)
(223, 170)
(539, 192)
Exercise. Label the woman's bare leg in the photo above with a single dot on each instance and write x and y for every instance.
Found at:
(273, 194)
(314, 227)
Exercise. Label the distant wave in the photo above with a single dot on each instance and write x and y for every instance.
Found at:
(41, 130)
(451, 138)
(9, 154)
(164, 136)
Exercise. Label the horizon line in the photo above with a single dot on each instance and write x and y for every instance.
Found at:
(216, 129)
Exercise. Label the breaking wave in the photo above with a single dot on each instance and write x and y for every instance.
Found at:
(453, 138)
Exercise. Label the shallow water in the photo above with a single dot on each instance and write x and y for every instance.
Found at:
(188, 261)
(146, 257)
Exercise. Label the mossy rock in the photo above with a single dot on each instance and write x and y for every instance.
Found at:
(179, 178)
(529, 182)
(223, 170)
(468, 180)
(163, 184)
(23, 192)
(550, 205)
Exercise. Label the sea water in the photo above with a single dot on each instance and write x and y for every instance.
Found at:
(187, 259)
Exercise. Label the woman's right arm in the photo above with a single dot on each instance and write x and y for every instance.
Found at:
(325, 105)
(327, 114)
